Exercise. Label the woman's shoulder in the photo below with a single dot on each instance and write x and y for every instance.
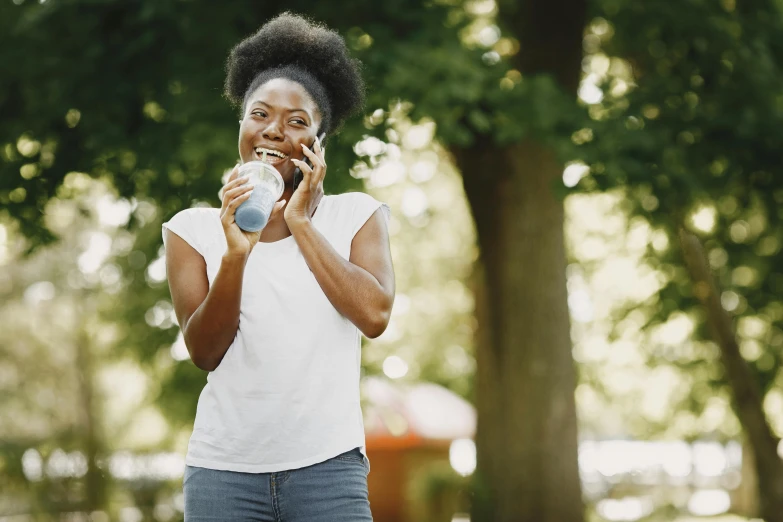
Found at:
(353, 209)
(196, 216)
(351, 200)
(199, 213)
(196, 225)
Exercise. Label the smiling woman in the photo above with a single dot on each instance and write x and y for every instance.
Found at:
(276, 315)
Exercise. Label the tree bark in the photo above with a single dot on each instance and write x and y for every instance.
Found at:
(527, 436)
(747, 395)
(745, 498)
(526, 440)
(94, 480)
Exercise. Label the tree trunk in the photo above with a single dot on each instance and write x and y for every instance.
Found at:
(747, 396)
(526, 440)
(745, 498)
(527, 436)
(94, 480)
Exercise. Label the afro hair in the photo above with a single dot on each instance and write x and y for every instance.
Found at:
(290, 46)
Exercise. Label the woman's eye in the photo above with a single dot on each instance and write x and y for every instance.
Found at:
(261, 114)
(300, 122)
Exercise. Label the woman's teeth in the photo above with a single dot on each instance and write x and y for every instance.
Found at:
(272, 156)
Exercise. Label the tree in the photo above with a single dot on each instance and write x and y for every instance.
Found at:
(526, 375)
(56, 352)
(503, 129)
(687, 131)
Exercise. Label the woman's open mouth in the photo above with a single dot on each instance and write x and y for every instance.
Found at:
(273, 157)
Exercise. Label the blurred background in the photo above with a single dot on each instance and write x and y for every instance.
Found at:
(586, 231)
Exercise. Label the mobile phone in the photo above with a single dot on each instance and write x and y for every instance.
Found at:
(298, 176)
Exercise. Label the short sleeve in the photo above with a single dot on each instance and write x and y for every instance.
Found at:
(365, 206)
(188, 225)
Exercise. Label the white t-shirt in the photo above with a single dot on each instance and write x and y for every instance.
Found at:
(286, 394)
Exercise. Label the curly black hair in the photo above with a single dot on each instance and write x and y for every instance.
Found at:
(292, 47)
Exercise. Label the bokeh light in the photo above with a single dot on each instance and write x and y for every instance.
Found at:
(462, 456)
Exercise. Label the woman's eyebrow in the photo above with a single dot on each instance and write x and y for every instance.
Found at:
(269, 106)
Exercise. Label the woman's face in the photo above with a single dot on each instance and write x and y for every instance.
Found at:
(279, 117)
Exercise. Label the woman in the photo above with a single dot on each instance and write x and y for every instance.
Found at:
(275, 316)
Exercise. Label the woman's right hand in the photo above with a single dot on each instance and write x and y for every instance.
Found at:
(235, 192)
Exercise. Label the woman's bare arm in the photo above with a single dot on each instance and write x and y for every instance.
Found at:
(208, 317)
(361, 288)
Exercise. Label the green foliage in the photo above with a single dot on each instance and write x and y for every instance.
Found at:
(437, 492)
(131, 93)
(695, 142)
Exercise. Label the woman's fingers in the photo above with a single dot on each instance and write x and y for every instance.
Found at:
(278, 207)
(228, 177)
(307, 171)
(234, 174)
(235, 183)
(229, 214)
(318, 171)
(234, 192)
(315, 158)
(233, 198)
(230, 188)
(232, 207)
(321, 152)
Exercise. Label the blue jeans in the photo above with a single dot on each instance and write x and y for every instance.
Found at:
(330, 491)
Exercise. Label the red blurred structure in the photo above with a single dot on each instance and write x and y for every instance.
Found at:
(408, 427)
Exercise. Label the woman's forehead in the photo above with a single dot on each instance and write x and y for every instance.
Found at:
(284, 93)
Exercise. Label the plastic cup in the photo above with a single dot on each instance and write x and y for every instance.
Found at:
(253, 214)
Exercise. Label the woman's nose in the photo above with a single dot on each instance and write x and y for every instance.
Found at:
(273, 132)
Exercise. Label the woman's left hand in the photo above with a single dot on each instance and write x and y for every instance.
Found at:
(310, 191)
